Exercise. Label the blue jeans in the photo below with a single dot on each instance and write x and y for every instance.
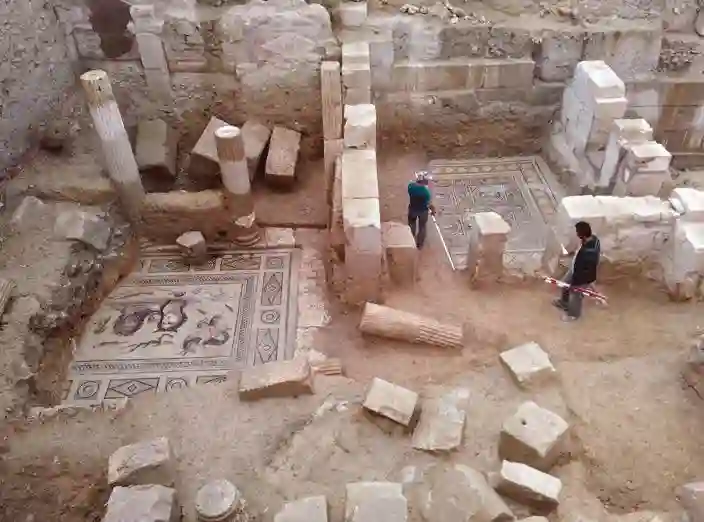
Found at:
(572, 301)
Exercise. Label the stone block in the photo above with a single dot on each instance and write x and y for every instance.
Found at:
(157, 148)
(490, 224)
(203, 161)
(441, 422)
(309, 509)
(691, 202)
(151, 51)
(360, 126)
(356, 76)
(337, 232)
(487, 242)
(332, 150)
(152, 503)
(282, 157)
(276, 379)
(193, 245)
(391, 401)
(578, 208)
(401, 252)
(691, 497)
(459, 493)
(528, 364)
(279, 237)
(331, 97)
(648, 156)
(357, 96)
(375, 502)
(623, 132)
(255, 136)
(506, 74)
(359, 174)
(533, 436)
(352, 14)
(219, 500)
(28, 211)
(356, 53)
(84, 227)
(427, 77)
(639, 184)
(148, 462)
(598, 80)
(362, 224)
(528, 485)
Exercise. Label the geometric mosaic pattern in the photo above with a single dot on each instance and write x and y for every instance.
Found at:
(170, 326)
(519, 189)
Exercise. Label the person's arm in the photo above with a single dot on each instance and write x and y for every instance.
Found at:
(431, 207)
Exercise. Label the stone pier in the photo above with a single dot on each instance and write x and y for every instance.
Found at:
(624, 132)
(235, 179)
(117, 149)
(148, 31)
(487, 243)
(644, 171)
(331, 94)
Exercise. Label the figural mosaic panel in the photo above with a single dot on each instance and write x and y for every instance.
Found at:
(169, 326)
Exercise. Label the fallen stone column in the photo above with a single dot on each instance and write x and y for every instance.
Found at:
(404, 326)
(119, 158)
(235, 179)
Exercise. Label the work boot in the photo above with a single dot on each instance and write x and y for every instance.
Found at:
(557, 303)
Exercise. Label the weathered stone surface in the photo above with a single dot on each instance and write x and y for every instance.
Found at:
(193, 244)
(691, 497)
(360, 126)
(352, 14)
(392, 401)
(279, 237)
(401, 252)
(528, 364)
(459, 493)
(204, 156)
(375, 502)
(157, 148)
(310, 509)
(282, 157)
(441, 422)
(146, 462)
(256, 139)
(29, 209)
(7, 287)
(277, 379)
(218, 500)
(359, 174)
(528, 485)
(150, 503)
(84, 227)
(533, 436)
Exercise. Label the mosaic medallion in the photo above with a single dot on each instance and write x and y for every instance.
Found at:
(169, 326)
(521, 190)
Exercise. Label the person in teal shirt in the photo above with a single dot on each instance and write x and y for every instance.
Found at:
(419, 206)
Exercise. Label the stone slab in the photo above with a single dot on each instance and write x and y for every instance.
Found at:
(528, 485)
(85, 227)
(360, 126)
(282, 157)
(309, 509)
(691, 201)
(375, 502)
(148, 462)
(490, 224)
(401, 252)
(441, 422)
(359, 174)
(391, 401)
(356, 53)
(598, 80)
(533, 436)
(648, 156)
(152, 503)
(255, 136)
(277, 379)
(528, 364)
(203, 161)
(157, 148)
(352, 14)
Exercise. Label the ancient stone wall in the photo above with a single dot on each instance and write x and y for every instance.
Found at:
(35, 72)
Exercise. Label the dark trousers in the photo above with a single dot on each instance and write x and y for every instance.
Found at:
(418, 221)
(572, 301)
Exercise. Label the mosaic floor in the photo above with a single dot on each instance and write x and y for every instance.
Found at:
(169, 326)
(522, 190)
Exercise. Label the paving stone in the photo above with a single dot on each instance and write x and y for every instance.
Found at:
(28, 211)
(460, 494)
(146, 503)
(441, 422)
(157, 148)
(310, 509)
(375, 502)
(391, 401)
(528, 485)
(282, 157)
(256, 139)
(528, 364)
(218, 501)
(204, 156)
(691, 497)
(148, 462)
(84, 227)
(533, 436)
(277, 379)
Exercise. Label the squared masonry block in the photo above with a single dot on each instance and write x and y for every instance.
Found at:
(363, 249)
(401, 252)
(691, 202)
(487, 242)
(391, 401)
(528, 485)
(357, 82)
(331, 94)
(360, 96)
(375, 502)
(578, 208)
(598, 80)
(352, 14)
(203, 161)
(528, 364)
(648, 156)
(534, 436)
(281, 160)
(151, 51)
(359, 174)
(309, 509)
(503, 74)
(622, 133)
(356, 53)
(337, 232)
(332, 149)
(256, 140)
(630, 182)
(441, 422)
(157, 145)
(687, 244)
(276, 379)
(424, 77)
(149, 462)
(360, 126)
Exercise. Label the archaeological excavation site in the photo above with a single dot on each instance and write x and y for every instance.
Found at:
(290, 261)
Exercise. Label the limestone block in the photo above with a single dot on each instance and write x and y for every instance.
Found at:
(633, 183)
(276, 379)
(441, 422)
(282, 157)
(362, 224)
(309, 509)
(401, 252)
(362, 275)
(559, 54)
(279, 237)
(204, 156)
(157, 145)
(687, 250)
(528, 485)
(151, 51)
(598, 80)
(648, 156)
(356, 76)
(578, 208)
(255, 136)
(84, 227)
(152, 503)
(458, 494)
(356, 53)
(533, 436)
(528, 364)
(691, 497)
(359, 174)
(487, 242)
(331, 95)
(332, 150)
(148, 462)
(352, 14)
(507, 74)
(375, 502)
(434, 76)
(391, 401)
(357, 96)
(193, 245)
(623, 132)
(490, 225)
(360, 126)
(691, 201)
(219, 500)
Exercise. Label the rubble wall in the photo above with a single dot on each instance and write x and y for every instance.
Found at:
(34, 73)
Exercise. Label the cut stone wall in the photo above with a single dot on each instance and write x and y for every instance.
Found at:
(35, 73)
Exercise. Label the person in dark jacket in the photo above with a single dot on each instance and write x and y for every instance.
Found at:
(582, 273)
(419, 206)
